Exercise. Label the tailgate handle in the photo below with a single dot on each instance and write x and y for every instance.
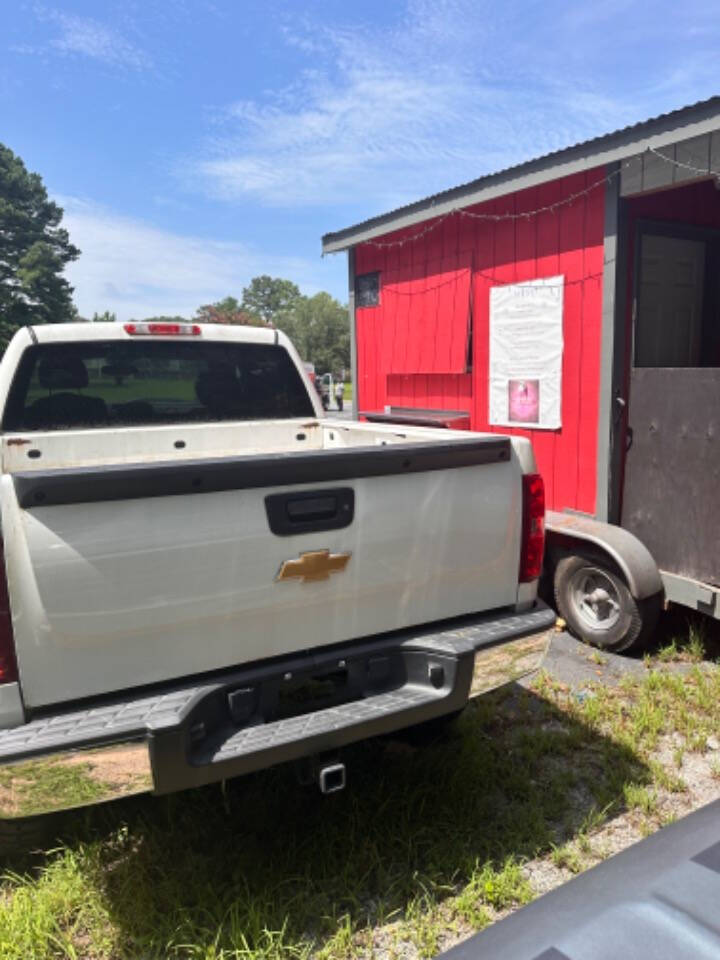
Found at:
(312, 510)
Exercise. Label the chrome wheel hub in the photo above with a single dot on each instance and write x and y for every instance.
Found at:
(595, 598)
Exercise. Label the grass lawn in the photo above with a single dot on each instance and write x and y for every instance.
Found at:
(425, 846)
(134, 389)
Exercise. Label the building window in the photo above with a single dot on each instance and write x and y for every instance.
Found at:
(367, 290)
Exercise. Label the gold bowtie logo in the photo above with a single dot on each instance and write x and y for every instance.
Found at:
(315, 565)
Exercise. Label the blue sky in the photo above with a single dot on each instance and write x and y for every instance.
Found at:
(197, 143)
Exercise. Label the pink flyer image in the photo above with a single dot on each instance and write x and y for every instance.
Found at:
(524, 401)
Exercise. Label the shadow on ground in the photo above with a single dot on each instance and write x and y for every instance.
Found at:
(267, 865)
(680, 625)
(578, 665)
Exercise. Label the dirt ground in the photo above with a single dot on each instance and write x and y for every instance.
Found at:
(572, 663)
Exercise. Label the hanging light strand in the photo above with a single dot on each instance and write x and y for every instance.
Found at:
(529, 214)
(492, 217)
(699, 171)
(393, 291)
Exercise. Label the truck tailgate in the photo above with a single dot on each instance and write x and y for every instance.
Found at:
(121, 577)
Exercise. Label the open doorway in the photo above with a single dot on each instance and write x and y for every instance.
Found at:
(672, 445)
(676, 300)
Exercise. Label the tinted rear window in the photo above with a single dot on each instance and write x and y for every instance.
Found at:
(133, 383)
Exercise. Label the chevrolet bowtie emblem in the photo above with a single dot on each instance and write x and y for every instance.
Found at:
(315, 565)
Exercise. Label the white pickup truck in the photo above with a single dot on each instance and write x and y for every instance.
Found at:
(203, 577)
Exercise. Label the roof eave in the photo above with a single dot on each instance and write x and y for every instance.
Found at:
(671, 128)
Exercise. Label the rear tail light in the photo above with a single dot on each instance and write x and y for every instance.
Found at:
(8, 662)
(533, 527)
(163, 329)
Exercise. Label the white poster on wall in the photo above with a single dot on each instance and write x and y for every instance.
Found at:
(526, 348)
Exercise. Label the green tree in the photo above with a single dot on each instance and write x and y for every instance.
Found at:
(270, 299)
(226, 311)
(319, 327)
(34, 250)
(105, 317)
(74, 315)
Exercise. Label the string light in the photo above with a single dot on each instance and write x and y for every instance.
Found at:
(383, 244)
(414, 293)
(528, 214)
(534, 284)
(493, 217)
(685, 166)
(538, 283)
(549, 208)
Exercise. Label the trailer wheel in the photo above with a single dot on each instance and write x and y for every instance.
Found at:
(598, 607)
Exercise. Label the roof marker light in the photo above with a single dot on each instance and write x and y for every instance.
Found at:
(163, 329)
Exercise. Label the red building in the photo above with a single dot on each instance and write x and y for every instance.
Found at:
(627, 227)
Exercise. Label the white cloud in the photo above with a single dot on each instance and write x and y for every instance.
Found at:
(392, 115)
(87, 37)
(456, 89)
(137, 270)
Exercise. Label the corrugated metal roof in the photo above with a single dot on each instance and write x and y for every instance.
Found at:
(672, 127)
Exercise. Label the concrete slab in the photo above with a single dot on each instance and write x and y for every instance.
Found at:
(579, 665)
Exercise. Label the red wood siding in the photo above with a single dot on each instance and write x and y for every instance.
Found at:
(568, 241)
(447, 391)
(695, 203)
(424, 316)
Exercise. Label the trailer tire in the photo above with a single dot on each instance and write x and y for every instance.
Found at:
(595, 602)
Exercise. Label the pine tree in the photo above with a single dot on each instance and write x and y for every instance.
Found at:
(34, 250)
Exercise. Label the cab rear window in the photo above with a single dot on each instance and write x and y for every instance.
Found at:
(60, 386)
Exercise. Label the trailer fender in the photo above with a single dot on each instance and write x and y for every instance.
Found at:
(630, 555)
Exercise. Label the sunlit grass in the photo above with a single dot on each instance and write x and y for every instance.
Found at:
(689, 647)
(424, 842)
(34, 787)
